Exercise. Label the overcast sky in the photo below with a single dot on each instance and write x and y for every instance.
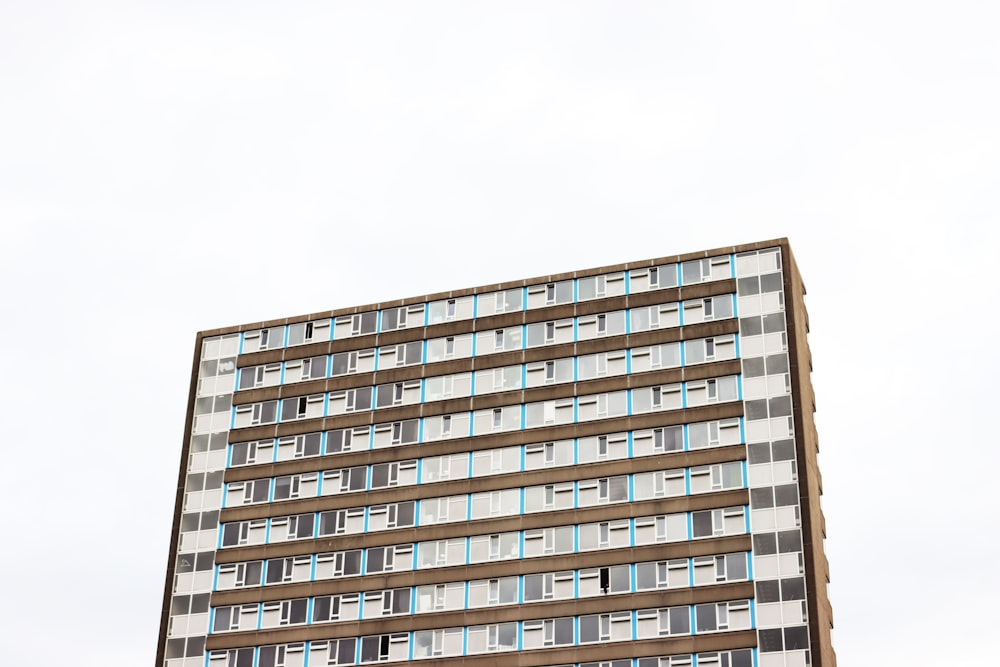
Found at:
(168, 167)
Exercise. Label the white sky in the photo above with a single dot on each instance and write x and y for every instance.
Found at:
(167, 167)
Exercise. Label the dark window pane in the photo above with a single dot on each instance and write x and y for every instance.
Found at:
(770, 640)
(701, 523)
(784, 450)
(759, 452)
(180, 604)
(765, 544)
(785, 495)
(761, 498)
(770, 283)
(789, 541)
(753, 368)
(793, 589)
(796, 638)
(777, 364)
(199, 603)
(195, 647)
(748, 286)
(751, 326)
(780, 406)
(756, 409)
(774, 323)
(704, 618)
(767, 591)
(680, 621)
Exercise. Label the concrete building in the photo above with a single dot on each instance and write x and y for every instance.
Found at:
(611, 467)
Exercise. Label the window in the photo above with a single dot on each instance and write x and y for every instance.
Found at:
(443, 510)
(709, 523)
(302, 407)
(267, 375)
(606, 627)
(396, 433)
(597, 287)
(662, 574)
(604, 580)
(507, 418)
(722, 568)
(440, 553)
(732, 615)
(498, 379)
(244, 533)
(708, 310)
(548, 497)
(358, 361)
(603, 447)
(498, 340)
(393, 515)
(351, 400)
(284, 570)
(705, 479)
(549, 586)
(240, 575)
(550, 294)
(714, 433)
(327, 608)
(549, 333)
(449, 347)
(491, 592)
(296, 486)
(285, 612)
(437, 643)
(333, 652)
(491, 638)
(403, 317)
(660, 316)
(604, 324)
(550, 632)
(601, 365)
(263, 339)
(599, 406)
(604, 490)
(338, 564)
(448, 310)
(702, 270)
(502, 546)
(256, 414)
(604, 535)
(662, 528)
(397, 393)
(380, 648)
(347, 440)
(245, 493)
(404, 354)
(496, 461)
(359, 324)
(246, 453)
(449, 466)
(546, 413)
(546, 541)
(663, 622)
(389, 559)
(448, 386)
(651, 399)
(656, 277)
(507, 301)
(715, 390)
(342, 522)
(548, 454)
(308, 332)
(496, 503)
(386, 603)
(398, 473)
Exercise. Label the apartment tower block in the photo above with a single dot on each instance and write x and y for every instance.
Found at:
(614, 467)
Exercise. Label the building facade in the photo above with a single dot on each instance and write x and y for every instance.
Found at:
(613, 467)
